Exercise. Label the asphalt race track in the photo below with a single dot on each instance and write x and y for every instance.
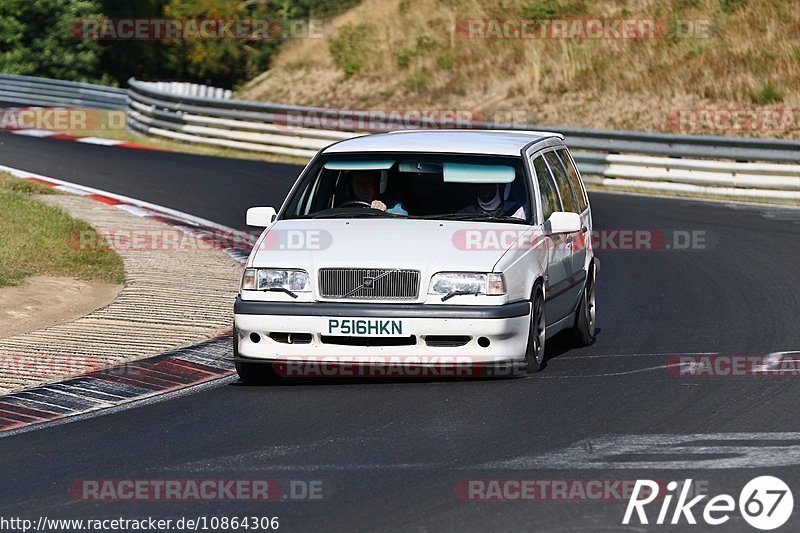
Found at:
(180, 181)
(390, 455)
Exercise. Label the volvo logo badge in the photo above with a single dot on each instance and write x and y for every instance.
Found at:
(368, 282)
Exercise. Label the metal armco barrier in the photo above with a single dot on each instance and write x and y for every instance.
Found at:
(709, 165)
(47, 92)
(189, 89)
(692, 176)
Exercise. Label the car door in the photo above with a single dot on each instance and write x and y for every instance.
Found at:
(581, 242)
(573, 242)
(558, 255)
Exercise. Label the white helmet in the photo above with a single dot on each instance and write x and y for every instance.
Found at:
(491, 204)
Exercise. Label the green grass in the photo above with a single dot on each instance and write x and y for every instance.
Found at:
(422, 46)
(768, 94)
(417, 81)
(445, 62)
(404, 57)
(729, 6)
(348, 48)
(539, 10)
(36, 238)
(550, 9)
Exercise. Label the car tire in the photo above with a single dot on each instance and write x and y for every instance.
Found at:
(582, 333)
(537, 332)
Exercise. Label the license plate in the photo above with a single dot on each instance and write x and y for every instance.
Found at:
(366, 327)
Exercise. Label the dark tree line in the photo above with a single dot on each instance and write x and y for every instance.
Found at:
(38, 38)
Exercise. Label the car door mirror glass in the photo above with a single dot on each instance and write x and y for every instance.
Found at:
(563, 222)
(260, 217)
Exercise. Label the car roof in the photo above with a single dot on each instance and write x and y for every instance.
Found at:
(485, 142)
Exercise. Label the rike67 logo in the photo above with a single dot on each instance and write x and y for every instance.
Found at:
(765, 503)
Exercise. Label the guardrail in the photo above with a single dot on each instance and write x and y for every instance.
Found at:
(711, 165)
(692, 176)
(47, 92)
(188, 89)
(240, 124)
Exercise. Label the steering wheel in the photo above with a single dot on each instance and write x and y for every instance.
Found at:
(352, 203)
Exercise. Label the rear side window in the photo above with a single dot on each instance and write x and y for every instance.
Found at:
(550, 202)
(574, 180)
(562, 182)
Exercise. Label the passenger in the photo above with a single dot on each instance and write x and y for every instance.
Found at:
(489, 202)
(366, 188)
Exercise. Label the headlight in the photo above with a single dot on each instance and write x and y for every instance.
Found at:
(467, 283)
(265, 279)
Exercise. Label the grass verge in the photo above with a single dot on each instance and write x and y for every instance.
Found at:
(36, 238)
(687, 59)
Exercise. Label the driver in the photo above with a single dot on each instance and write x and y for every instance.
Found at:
(366, 188)
(489, 202)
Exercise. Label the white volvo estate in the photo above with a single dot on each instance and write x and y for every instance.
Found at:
(433, 247)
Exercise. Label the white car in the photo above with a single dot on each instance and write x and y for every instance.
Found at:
(431, 247)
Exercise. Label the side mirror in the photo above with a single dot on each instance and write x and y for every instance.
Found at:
(260, 217)
(563, 222)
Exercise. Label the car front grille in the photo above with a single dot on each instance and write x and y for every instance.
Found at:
(369, 283)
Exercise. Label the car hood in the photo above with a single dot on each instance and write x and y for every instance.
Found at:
(426, 245)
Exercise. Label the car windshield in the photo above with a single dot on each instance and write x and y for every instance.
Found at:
(445, 187)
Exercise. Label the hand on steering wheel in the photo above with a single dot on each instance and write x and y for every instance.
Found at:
(350, 203)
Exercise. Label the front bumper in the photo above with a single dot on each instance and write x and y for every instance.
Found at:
(505, 327)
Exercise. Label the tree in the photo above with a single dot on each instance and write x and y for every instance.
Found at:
(147, 60)
(223, 62)
(35, 39)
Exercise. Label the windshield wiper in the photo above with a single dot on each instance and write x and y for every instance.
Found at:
(447, 216)
(457, 293)
(281, 289)
(366, 214)
(473, 216)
